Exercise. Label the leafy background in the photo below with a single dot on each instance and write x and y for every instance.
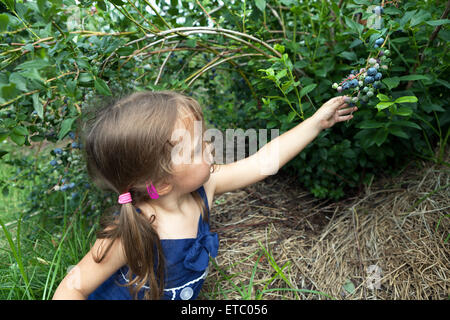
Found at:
(251, 64)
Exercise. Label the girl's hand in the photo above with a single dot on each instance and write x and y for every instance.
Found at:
(333, 111)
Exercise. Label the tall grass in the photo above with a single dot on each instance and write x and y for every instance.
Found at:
(37, 249)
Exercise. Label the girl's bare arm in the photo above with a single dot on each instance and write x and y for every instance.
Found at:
(87, 275)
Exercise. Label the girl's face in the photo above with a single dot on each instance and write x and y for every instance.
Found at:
(192, 157)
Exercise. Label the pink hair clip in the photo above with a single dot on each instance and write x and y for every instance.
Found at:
(152, 193)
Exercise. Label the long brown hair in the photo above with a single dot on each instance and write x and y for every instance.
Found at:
(126, 145)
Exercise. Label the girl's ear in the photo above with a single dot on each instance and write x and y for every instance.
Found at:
(163, 188)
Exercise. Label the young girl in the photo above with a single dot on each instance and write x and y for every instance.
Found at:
(157, 246)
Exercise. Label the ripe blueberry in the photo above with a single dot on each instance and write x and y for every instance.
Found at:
(378, 76)
(379, 41)
(369, 79)
(371, 72)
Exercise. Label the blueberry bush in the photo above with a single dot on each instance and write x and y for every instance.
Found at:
(252, 64)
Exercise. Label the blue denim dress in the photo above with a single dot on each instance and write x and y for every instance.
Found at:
(186, 266)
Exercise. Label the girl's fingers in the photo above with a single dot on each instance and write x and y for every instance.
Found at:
(348, 110)
(343, 118)
(336, 101)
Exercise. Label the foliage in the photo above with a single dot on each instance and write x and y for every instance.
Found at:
(55, 55)
(252, 64)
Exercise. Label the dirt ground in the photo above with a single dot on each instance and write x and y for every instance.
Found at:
(388, 242)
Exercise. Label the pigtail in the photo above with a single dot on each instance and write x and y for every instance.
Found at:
(143, 252)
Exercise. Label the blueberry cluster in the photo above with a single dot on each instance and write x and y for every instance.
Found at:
(67, 157)
(364, 82)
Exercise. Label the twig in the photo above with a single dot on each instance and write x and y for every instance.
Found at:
(220, 31)
(220, 62)
(164, 63)
(198, 2)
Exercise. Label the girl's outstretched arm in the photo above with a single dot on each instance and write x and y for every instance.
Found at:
(87, 275)
(280, 150)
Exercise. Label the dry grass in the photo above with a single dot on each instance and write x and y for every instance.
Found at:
(327, 244)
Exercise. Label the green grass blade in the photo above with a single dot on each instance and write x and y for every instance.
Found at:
(16, 255)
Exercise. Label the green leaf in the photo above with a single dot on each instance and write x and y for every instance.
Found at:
(443, 82)
(20, 130)
(354, 26)
(391, 83)
(3, 135)
(383, 105)
(117, 2)
(381, 136)
(281, 74)
(291, 116)
(396, 131)
(438, 22)
(356, 43)
(8, 91)
(413, 77)
(38, 105)
(102, 87)
(287, 86)
(307, 89)
(406, 123)
(18, 139)
(19, 80)
(66, 126)
(410, 99)
(4, 20)
(33, 64)
(271, 124)
(348, 55)
(191, 43)
(369, 124)
(32, 74)
(261, 5)
(349, 287)
(383, 97)
(404, 111)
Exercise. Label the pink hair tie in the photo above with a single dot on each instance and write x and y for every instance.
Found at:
(125, 198)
